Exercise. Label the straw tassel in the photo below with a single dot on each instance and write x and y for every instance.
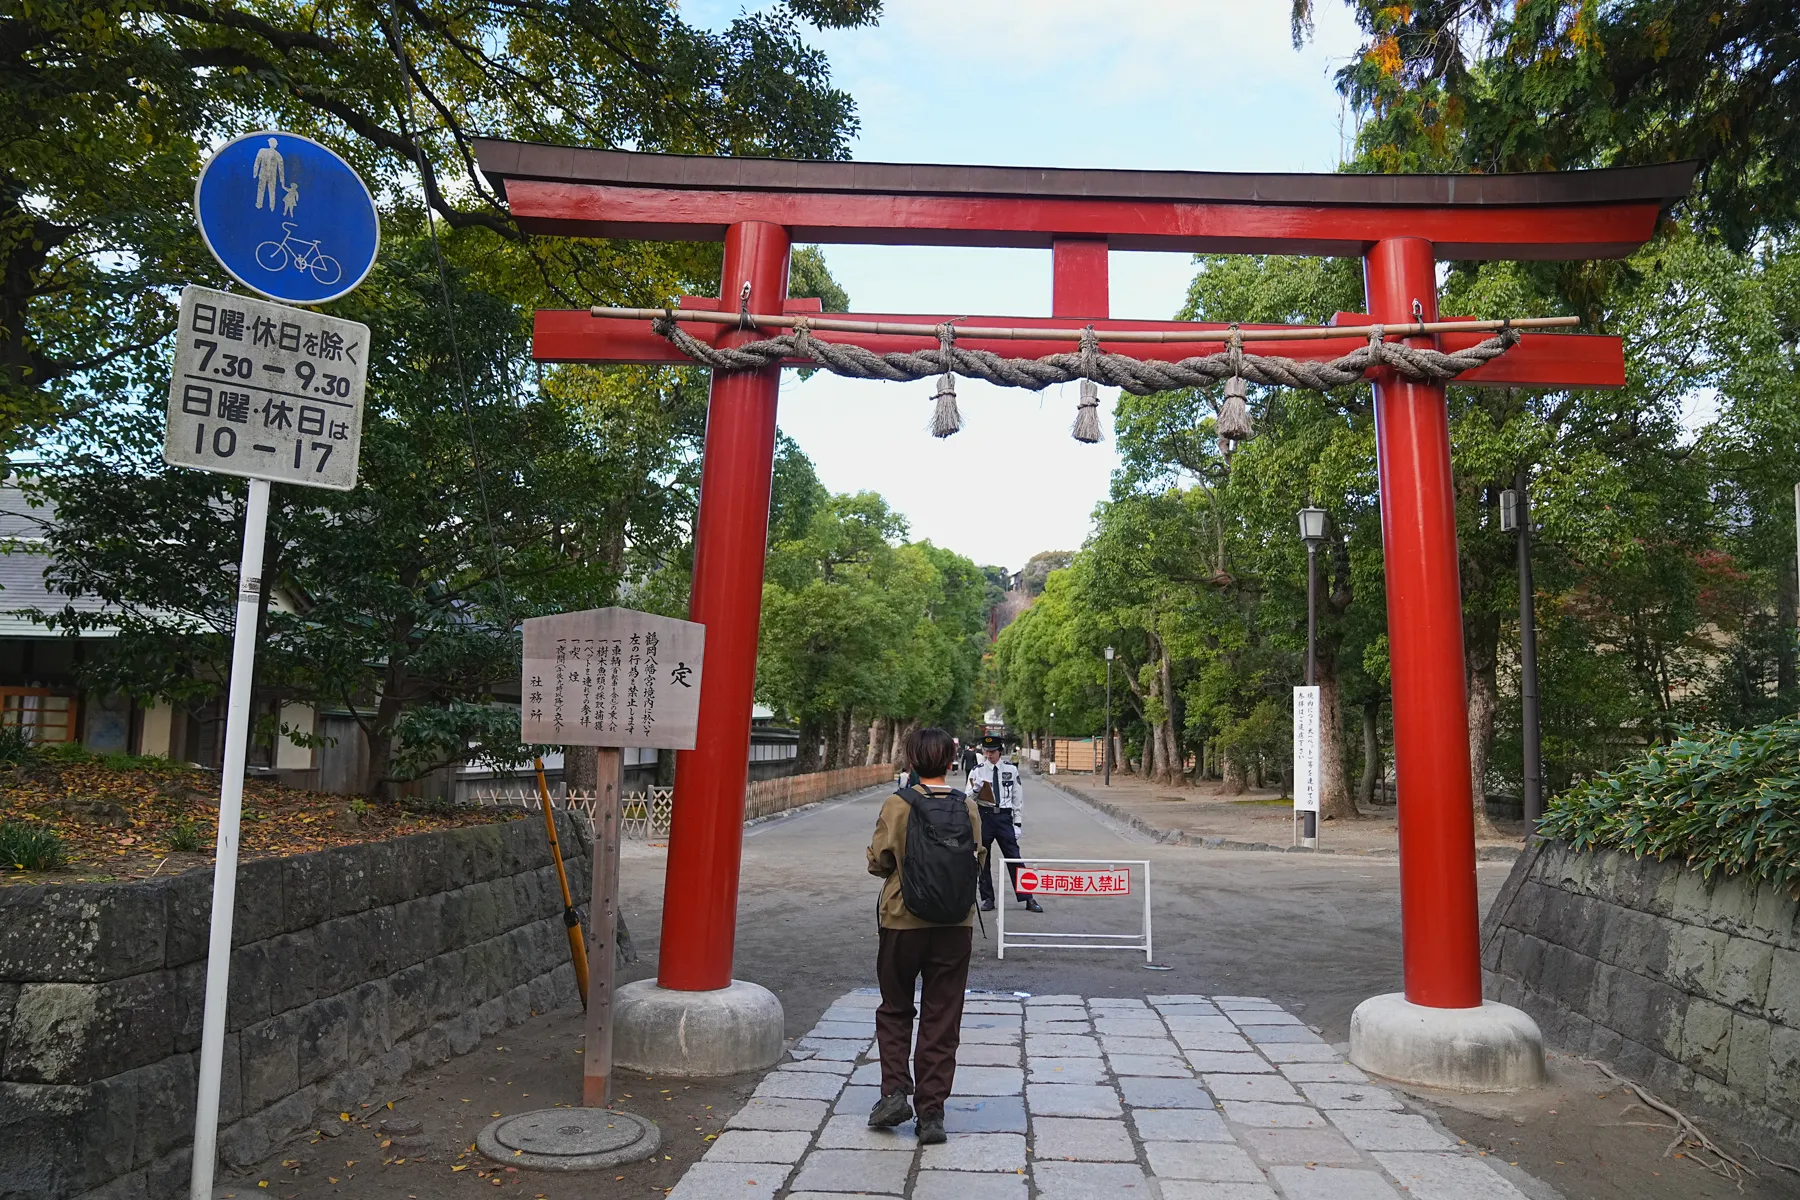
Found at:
(1234, 414)
(1087, 415)
(946, 419)
(1087, 412)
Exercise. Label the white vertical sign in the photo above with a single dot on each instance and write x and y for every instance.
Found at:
(1306, 749)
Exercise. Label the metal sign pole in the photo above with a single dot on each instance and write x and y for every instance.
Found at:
(231, 803)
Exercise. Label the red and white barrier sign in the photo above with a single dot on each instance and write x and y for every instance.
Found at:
(1075, 883)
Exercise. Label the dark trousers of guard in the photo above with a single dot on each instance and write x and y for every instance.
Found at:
(937, 959)
(997, 826)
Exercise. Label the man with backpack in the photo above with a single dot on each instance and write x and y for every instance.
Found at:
(927, 852)
(1000, 795)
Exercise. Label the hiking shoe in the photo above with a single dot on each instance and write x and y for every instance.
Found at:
(931, 1130)
(890, 1111)
(987, 906)
(1031, 905)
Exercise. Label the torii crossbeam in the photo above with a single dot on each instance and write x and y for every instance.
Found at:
(1400, 226)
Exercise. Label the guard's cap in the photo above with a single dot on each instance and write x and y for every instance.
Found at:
(990, 742)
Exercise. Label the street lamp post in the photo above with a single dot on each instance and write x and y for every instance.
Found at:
(1312, 532)
(1106, 746)
(1515, 518)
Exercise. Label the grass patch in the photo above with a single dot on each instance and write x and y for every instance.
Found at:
(186, 836)
(27, 847)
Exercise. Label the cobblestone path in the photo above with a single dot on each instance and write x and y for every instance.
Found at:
(1068, 1098)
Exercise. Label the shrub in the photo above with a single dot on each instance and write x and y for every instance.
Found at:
(186, 836)
(1725, 802)
(16, 747)
(30, 847)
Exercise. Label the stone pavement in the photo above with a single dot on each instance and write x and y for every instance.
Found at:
(1066, 1098)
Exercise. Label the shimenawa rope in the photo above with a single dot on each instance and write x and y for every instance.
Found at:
(1139, 376)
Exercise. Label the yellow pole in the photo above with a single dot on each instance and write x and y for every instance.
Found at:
(577, 949)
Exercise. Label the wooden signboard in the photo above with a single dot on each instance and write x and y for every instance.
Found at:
(611, 677)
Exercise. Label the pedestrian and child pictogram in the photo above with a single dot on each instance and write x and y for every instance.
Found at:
(287, 217)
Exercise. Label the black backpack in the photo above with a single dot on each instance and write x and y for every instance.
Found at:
(937, 876)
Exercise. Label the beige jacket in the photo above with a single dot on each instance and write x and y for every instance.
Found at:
(888, 847)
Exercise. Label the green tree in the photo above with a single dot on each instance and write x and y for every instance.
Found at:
(110, 105)
(406, 592)
(861, 633)
(1555, 84)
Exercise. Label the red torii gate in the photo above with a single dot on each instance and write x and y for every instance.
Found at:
(1399, 225)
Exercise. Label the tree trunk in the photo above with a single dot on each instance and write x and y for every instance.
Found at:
(812, 732)
(1787, 599)
(856, 747)
(1121, 764)
(1484, 703)
(1234, 774)
(1170, 728)
(581, 768)
(1335, 801)
(1371, 771)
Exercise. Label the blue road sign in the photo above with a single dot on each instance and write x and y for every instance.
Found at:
(287, 217)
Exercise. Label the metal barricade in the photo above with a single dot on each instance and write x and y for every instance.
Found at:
(1041, 877)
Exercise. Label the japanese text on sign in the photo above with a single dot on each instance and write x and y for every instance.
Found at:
(1115, 882)
(266, 391)
(611, 677)
(1306, 749)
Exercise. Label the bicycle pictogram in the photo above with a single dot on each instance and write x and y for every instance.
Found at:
(304, 255)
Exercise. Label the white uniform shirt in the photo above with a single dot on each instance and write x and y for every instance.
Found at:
(1009, 791)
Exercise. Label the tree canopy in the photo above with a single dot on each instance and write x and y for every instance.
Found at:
(111, 106)
(863, 633)
(493, 488)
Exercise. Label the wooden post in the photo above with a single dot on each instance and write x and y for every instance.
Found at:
(596, 1074)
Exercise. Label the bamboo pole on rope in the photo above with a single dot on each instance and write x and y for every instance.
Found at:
(1014, 333)
(577, 948)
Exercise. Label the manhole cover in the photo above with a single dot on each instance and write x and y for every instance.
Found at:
(569, 1139)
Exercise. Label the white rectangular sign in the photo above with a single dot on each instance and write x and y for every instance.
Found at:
(266, 391)
(611, 677)
(1054, 882)
(1306, 749)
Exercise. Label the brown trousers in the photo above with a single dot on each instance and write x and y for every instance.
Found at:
(939, 956)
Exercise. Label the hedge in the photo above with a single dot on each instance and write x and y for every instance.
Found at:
(1723, 801)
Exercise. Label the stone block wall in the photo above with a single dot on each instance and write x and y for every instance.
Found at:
(350, 967)
(1691, 989)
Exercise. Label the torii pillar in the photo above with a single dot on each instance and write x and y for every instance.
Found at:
(1439, 1030)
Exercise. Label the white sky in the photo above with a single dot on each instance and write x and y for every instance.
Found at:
(1156, 84)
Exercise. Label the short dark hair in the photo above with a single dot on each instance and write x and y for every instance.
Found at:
(929, 750)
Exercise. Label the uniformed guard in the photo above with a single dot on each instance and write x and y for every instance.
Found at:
(1001, 799)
